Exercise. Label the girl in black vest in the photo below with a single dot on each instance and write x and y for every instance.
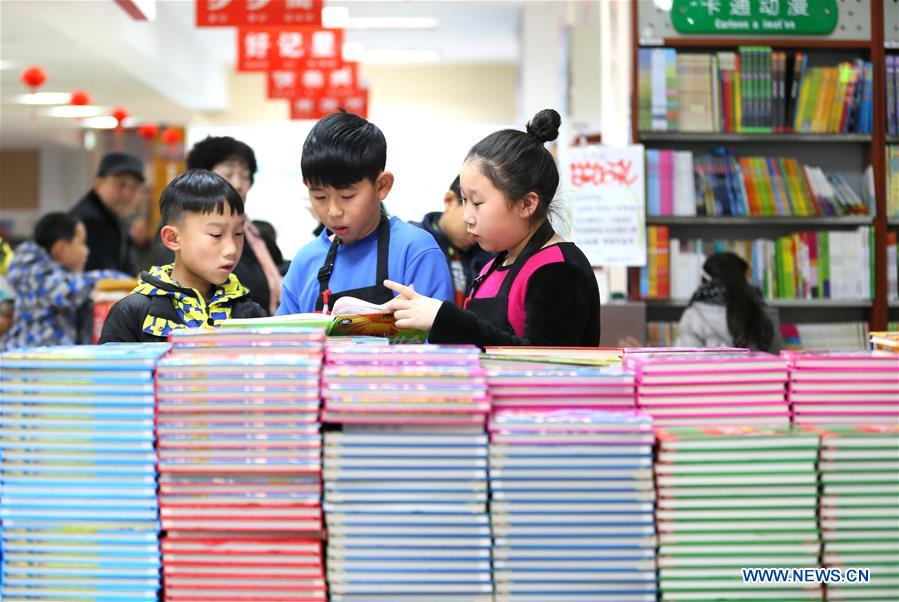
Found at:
(539, 290)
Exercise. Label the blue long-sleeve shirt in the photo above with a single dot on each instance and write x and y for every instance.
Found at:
(414, 258)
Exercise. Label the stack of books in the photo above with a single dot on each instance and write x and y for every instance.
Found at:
(711, 389)
(721, 184)
(828, 335)
(893, 180)
(844, 387)
(404, 384)
(581, 356)
(859, 510)
(406, 478)
(78, 474)
(754, 90)
(518, 384)
(240, 464)
(572, 505)
(734, 498)
(407, 513)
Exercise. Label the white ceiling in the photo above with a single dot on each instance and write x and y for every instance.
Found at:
(166, 69)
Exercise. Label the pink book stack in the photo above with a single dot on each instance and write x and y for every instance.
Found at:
(843, 387)
(711, 389)
(240, 465)
(406, 477)
(516, 384)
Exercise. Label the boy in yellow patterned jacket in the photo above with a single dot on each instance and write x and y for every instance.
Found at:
(203, 224)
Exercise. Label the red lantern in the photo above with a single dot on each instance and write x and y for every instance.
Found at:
(171, 136)
(80, 98)
(33, 77)
(120, 115)
(148, 131)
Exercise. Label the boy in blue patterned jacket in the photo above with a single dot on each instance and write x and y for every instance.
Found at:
(52, 305)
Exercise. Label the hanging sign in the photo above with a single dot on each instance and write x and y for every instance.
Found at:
(288, 48)
(606, 191)
(239, 13)
(755, 17)
(312, 107)
(318, 82)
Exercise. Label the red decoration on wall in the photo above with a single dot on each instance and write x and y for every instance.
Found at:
(33, 77)
(79, 98)
(237, 13)
(288, 48)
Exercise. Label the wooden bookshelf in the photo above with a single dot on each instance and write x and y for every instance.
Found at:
(752, 222)
(871, 147)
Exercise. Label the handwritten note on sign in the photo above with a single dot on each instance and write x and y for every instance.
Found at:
(608, 221)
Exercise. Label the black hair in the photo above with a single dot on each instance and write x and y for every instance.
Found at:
(747, 321)
(341, 150)
(53, 227)
(212, 150)
(456, 187)
(269, 236)
(197, 191)
(517, 162)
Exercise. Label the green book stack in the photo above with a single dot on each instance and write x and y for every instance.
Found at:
(732, 498)
(859, 469)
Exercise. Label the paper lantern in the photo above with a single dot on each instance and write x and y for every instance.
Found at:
(147, 131)
(171, 136)
(120, 115)
(33, 77)
(80, 98)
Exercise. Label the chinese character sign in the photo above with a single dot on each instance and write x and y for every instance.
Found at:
(605, 185)
(288, 48)
(316, 107)
(239, 13)
(314, 82)
(755, 17)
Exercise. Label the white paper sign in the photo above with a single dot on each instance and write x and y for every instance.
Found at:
(605, 186)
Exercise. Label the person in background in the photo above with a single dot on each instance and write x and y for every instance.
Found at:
(143, 251)
(728, 311)
(51, 288)
(343, 163)
(270, 236)
(113, 197)
(539, 289)
(464, 257)
(203, 225)
(236, 162)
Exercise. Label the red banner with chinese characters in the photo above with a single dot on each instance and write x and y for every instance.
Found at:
(312, 107)
(288, 48)
(240, 13)
(314, 82)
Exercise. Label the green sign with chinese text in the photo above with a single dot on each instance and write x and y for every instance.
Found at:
(755, 17)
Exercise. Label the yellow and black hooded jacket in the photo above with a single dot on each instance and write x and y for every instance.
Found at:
(158, 305)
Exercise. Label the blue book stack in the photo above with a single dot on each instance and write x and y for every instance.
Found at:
(78, 473)
(406, 502)
(572, 505)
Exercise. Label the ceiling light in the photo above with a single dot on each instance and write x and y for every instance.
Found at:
(43, 98)
(101, 122)
(77, 111)
(338, 17)
(9, 64)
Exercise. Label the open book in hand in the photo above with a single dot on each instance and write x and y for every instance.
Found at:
(355, 317)
(349, 317)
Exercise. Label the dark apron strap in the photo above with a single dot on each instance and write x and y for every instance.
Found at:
(324, 272)
(543, 235)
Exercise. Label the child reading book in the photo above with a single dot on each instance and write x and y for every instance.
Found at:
(539, 290)
(343, 164)
(203, 224)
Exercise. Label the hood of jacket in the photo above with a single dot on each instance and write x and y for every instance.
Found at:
(30, 268)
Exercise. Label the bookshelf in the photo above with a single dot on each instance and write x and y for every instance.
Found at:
(859, 34)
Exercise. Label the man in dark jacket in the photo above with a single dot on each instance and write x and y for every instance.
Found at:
(114, 197)
(464, 257)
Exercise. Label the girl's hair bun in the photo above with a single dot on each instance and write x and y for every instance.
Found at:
(545, 125)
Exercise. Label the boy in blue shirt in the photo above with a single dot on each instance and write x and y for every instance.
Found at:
(343, 166)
